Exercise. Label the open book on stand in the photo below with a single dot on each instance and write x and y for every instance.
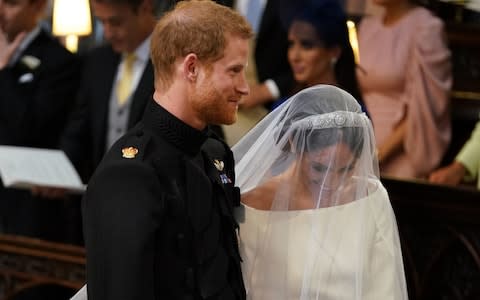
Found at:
(22, 167)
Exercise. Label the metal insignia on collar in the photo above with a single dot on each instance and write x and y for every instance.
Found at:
(218, 164)
(129, 152)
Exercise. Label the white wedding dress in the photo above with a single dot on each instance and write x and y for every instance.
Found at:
(359, 232)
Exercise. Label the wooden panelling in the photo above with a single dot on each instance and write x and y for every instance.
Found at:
(440, 234)
(439, 230)
(26, 263)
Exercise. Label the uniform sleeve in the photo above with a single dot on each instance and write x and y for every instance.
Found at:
(428, 83)
(469, 156)
(122, 210)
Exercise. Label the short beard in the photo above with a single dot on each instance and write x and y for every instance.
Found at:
(209, 105)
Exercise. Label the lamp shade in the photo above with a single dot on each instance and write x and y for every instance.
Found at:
(352, 36)
(71, 17)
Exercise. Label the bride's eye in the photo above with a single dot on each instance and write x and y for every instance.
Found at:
(319, 167)
(347, 168)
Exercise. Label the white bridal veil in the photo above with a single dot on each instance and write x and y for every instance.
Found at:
(316, 222)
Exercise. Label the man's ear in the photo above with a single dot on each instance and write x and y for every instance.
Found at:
(190, 67)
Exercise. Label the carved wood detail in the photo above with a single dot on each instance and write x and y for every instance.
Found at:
(440, 235)
(27, 262)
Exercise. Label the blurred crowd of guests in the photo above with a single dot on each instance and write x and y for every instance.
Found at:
(51, 98)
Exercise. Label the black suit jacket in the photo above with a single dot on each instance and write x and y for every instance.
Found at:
(84, 139)
(272, 47)
(34, 101)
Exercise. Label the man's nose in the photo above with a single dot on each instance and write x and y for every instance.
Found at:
(243, 86)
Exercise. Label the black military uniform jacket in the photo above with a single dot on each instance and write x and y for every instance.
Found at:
(158, 216)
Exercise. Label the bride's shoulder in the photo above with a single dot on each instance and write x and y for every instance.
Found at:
(261, 197)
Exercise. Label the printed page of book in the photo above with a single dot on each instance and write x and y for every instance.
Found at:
(23, 167)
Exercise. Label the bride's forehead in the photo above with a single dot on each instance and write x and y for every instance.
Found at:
(337, 150)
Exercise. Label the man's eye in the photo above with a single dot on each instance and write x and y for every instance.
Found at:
(236, 70)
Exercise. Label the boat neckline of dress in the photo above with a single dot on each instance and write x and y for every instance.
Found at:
(375, 191)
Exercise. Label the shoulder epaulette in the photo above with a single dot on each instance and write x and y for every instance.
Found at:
(134, 146)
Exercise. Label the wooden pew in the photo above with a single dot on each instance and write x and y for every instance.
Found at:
(440, 235)
(439, 230)
(27, 263)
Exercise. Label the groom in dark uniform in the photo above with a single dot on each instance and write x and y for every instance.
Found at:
(158, 211)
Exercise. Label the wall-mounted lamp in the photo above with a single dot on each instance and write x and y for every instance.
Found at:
(71, 18)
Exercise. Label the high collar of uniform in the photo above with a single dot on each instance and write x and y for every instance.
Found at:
(175, 131)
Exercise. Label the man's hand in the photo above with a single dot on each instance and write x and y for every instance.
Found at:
(8, 49)
(49, 192)
(449, 175)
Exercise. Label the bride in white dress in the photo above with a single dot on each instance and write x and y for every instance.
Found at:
(316, 222)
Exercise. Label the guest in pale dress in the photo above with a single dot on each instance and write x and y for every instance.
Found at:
(405, 81)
